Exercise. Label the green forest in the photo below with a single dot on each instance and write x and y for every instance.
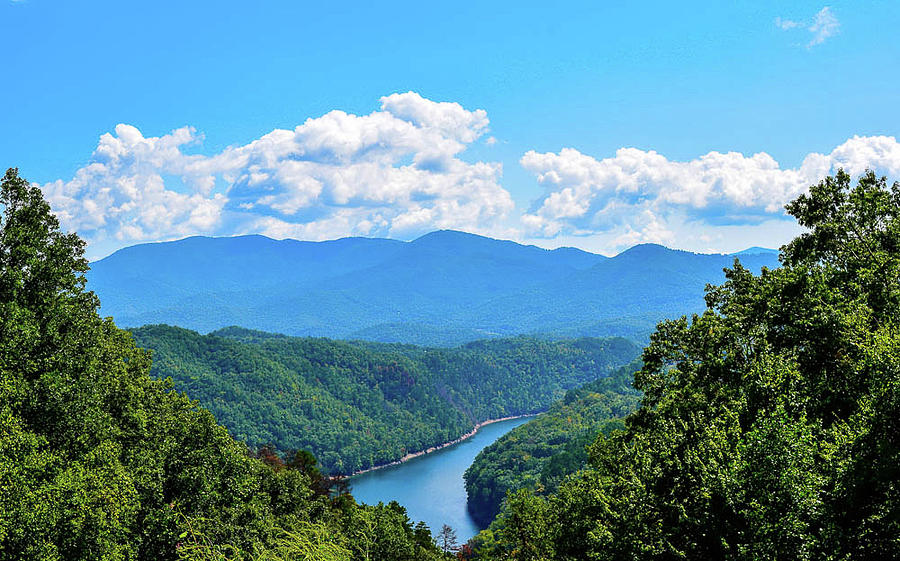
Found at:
(358, 405)
(541, 453)
(767, 427)
(99, 461)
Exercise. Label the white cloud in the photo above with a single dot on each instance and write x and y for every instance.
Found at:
(398, 172)
(823, 26)
(643, 196)
(450, 118)
(122, 194)
(394, 172)
(786, 24)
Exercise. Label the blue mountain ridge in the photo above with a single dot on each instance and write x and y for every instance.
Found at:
(444, 288)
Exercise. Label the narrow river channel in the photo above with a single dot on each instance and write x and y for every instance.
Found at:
(431, 486)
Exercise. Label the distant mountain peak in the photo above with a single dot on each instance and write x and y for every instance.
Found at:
(447, 233)
(649, 250)
(756, 250)
(648, 246)
(451, 236)
(456, 241)
(460, 285)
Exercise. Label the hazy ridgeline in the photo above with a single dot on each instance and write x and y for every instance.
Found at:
(444, 288)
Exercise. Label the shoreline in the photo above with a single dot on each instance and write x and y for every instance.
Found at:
(431, 449)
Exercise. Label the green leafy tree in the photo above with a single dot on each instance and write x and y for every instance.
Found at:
(541, 453)
(98, 461)
(768, 425)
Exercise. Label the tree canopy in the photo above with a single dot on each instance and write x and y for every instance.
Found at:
(769, 425)
(541, 453)
(356, 404)
(100, 461)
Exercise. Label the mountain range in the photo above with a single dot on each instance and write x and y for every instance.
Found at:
(444, 288)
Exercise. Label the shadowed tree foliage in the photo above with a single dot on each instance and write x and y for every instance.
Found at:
(769, 424)
(355, 404)
(541, 453)
(99, 461)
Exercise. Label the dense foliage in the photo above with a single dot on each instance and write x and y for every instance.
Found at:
(98, 461)
(769, 426)
(356, 405)
(541, 453)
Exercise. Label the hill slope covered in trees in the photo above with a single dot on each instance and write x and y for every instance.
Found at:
(541, 453)
(98, 461)
(356, 405)
(769, 425)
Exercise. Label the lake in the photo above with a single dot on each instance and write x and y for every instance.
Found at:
(431, 487)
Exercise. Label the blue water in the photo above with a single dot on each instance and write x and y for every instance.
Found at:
(431, 487)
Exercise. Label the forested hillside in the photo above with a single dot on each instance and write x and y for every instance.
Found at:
(769, 425)
(356, 405)
(98, 461)
(541, 453)
(444, 289)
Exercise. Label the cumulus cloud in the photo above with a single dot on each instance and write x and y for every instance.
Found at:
(122, 193)
(394, 172)
(823, 26)
(640, 195)
(786, 24)
(399, 172)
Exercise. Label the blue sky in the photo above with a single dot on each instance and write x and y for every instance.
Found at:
(582, 124)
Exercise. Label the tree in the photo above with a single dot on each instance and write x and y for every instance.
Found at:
(769, 423)
(59, 467)
(40, 267)
(446, 538)
(98, 461)
(423, 535)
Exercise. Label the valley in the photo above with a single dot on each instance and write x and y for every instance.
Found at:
(115, 429)
(468, 281)
(356, 405)
(393, 392)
